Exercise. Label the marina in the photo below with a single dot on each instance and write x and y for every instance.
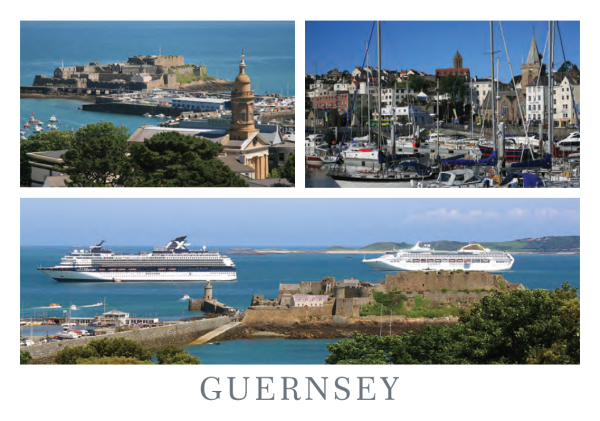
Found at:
(399, 144)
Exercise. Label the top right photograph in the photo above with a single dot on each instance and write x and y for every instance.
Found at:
(442, 104)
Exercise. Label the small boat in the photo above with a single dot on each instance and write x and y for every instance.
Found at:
(73, 307)
(23, 137)
(214, 343)
(27, 125)
(32, 119)
(53, 119)
(185, 297)
(54, 305)
(38, 129)
(22, 133)
(147, 115)
(160, 116)
(53, 127)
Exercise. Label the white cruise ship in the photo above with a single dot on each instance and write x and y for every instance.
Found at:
(423, 257)
(173, 263)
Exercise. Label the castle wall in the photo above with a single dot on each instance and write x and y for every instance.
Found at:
(436, 281)
(167, 61)
(350, 307)
(266, 314)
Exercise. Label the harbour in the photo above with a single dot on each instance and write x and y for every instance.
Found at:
(375, 127)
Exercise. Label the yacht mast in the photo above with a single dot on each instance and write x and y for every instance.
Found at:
(471, 108)
(379, 140)
(493, 96)
(550, 88)
(314, 102)
(368, 97)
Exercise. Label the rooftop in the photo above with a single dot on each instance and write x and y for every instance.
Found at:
(205, 100)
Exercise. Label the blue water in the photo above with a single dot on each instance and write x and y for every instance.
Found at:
(263, 351)
(65, 110)
(256, 275)
(269, 48)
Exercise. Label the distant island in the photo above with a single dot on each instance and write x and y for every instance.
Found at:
(550, 245)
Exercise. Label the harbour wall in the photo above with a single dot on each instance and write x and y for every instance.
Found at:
(257, 315)
(133, 109)
(155, 337)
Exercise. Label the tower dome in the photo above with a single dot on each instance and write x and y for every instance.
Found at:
(242, 81)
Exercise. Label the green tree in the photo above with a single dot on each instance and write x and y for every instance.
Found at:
(566, 66)
(111, 361)
(454, 86)
(307, 104)
(120, 347)
(418, 83)
(531, 326)
(26, 357)
(105, 347)
(175, 355)
(42, 142)
(171, 159)
(97, 157)
(71, 354)
(288, 170)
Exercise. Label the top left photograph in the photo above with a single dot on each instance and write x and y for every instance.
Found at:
(157, 104)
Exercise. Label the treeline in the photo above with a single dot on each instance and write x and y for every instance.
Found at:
(98, 155)
(519, 327)
(118, 351)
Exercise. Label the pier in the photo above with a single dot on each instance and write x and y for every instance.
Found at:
(217, 332)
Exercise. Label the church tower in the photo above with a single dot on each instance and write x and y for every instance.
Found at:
(533, 67)
(242, 107)
(457, 62)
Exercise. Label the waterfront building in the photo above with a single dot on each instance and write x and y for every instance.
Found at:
(456, 70)
(202, 104)
(565, 94)
(308, 300)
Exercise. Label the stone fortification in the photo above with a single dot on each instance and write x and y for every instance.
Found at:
(258, 315)
(163, 70)
(155, 337)
(437, 281)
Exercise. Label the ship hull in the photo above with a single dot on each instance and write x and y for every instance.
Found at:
(139, 276)
(410, 266)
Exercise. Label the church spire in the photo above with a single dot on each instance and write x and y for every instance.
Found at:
(534, 55)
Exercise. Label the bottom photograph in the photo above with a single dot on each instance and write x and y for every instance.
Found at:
(300, 281)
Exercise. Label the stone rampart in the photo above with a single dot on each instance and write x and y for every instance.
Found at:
(42, 80)
(167, 61)
(155, 337)
(436, 281)
(350, 307)
(284, 316)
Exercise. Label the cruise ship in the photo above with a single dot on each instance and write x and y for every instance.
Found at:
(423, 257)
(173, 263)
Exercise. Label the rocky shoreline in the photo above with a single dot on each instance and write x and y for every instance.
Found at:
(327, 329)
(55, 95)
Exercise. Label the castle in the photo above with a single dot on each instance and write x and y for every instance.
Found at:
(139, 72)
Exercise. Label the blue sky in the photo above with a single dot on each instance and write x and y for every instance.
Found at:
(291, 222)
(426, 46)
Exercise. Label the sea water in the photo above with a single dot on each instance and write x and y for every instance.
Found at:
(257, 274)
(269, 48)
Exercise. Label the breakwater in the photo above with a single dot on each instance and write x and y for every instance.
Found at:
(155, 337)
(133, 109)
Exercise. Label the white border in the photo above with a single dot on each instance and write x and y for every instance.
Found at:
(173, 392)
